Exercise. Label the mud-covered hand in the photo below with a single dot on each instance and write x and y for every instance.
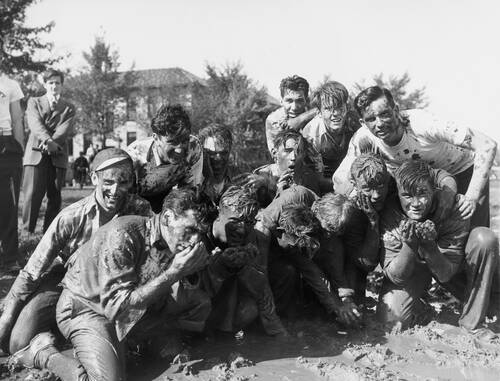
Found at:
(408, 232)
(237, 257)
(348, 313)
(189, 260)
(465, 205)
(426, 231)
(366, 206)
(285, 180)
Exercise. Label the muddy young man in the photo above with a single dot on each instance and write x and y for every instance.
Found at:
(217, 142)
(330, 131)
(416, 249)
(172, 156)
(293, 113)
(30, 304)
(129, 280)
(463, 152)
(295, 239)
(236, 276)
(289, 165)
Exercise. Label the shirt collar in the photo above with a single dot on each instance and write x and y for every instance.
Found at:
(156, 238)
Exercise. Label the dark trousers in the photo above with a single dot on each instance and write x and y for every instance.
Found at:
(11, 155)
(39, 180)
(476, 284)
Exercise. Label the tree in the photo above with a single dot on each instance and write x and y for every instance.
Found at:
(100, 90)
(398, 87)
(234, 100)
(19, 44)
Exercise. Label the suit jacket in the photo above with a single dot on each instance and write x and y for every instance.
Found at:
(45, 123)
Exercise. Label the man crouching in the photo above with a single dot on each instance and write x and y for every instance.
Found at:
(133, 273)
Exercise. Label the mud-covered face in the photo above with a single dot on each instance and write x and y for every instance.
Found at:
(216, 156)
(376, 191)
(171, 150)
(112, 186)
(334, 117)
(294, 102)
(417, 204)
(293, 243)
(289, 154)
(382, 121)
(232, 227)
(181, 232)
(53, 86)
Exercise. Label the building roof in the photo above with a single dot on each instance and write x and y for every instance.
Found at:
(169, 77)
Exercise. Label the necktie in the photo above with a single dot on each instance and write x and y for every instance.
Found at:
(53, 104)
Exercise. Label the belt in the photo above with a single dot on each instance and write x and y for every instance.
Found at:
(5, 133)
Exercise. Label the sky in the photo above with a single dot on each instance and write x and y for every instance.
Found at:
(449, 46)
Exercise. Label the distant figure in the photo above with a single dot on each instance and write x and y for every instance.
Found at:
(50, 120)
(80, 169)
(90, 153)
(11, 152)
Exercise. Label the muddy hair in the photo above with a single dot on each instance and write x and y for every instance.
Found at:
(299, 220)
(171, 120)
(333, 211)
(371, 168)
(294, 83)
(330, 94)
(282, 136)
(219, 132)
(239, 199)
(49, 73)
(412, 174)
(179, 201)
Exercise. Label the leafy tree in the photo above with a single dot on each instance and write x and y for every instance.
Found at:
(398, 86)
(19, 44)
(231, 98)
(100, 91)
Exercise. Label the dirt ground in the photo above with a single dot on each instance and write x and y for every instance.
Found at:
(321, 350)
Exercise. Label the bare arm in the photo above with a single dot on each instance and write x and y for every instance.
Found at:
(485, 149)
(299, 122)
(16, 114)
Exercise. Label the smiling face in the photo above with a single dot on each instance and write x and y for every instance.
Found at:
(180, 232)
(416, 203)
(334, 117)
(112, 186)
(382, 121)
(294, 102)
(171, 150)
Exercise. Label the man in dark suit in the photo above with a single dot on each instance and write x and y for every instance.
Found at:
(50, 120)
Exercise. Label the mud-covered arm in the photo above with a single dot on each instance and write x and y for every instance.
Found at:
(484, 153)
(299, 122)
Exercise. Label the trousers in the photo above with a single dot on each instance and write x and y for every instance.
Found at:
(476, 284)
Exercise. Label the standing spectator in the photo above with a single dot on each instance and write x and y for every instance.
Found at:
(80, 169)
(50, 120)
(11, 152)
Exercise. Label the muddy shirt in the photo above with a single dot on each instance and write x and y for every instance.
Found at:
(123, 255)
(71, 228)
(452, 234)
(427, 138)
(142, 153)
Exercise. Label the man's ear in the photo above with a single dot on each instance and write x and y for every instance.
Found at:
(156, 137)
(362, 122)
(94, 178)
(274, 153)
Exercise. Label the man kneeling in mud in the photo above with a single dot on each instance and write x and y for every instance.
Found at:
(30, 306)
(129, 280)
(236, 274)
(296, 233)
(349, 247)
(417, 248)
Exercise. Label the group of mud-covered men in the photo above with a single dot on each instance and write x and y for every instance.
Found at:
(174, 239)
